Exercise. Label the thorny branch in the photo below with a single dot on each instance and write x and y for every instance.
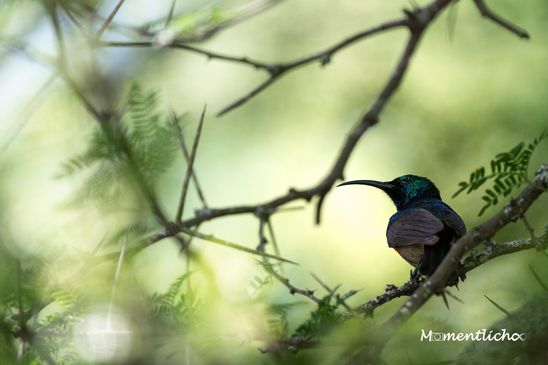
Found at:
(274, 70)
(474, 259)
(511, 212)
(416, 21)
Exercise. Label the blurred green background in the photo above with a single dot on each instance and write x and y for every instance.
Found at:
(473, 90)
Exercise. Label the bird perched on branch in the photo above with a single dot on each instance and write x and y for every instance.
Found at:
(424, 227)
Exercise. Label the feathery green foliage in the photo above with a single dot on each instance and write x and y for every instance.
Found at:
(143, 136)
(176, 303)
(321, 321)
(279, 324)
(508, 172)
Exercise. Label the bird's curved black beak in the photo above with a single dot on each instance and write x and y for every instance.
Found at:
(385, 186)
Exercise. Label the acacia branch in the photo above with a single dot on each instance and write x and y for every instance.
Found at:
(512, 211)
(475, 259)
(417, 22)
(274, 70)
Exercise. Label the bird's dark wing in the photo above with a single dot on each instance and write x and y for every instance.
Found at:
(413, 226)
(454, 222)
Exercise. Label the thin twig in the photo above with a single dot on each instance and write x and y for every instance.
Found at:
(262, 237)
(186, 155)
(180, 45)
(333, 293)
(108, 20)
(489, 14)
(189, 169)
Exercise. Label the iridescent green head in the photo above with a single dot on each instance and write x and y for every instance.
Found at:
(404, 189)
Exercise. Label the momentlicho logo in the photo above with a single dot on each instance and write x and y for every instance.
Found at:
(480, 335)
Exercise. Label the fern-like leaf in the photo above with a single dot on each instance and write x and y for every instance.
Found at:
(508, 172)
(143, 134)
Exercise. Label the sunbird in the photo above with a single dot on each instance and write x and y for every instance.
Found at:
(424, 227)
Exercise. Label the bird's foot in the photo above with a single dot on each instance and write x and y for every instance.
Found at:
(415, 275)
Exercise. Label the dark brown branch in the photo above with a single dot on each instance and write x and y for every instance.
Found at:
(190, 167)
(180, 45)
(489, 14)
(275, 70)
(391, 292)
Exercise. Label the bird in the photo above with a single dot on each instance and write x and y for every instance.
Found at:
(424, 227)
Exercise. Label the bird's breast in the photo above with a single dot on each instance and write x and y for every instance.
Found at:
(412, 254)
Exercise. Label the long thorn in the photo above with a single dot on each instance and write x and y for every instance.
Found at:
(189, 168)
(170, 13)
(489, 14)
(108, 20)
(219, 241)
(498, 306)
(272, 237)
(186, 155)
(538, 279)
